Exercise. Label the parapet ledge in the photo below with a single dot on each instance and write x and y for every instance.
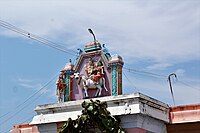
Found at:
(111, 101)
(130, 104)
(185, 113)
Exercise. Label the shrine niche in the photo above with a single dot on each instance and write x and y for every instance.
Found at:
(94, 74)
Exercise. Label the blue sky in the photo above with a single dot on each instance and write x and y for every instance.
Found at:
(154, 36)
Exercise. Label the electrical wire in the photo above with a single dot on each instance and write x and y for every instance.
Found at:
(23, 120)
(39, 40)
(130, 81)
(36, 38)
(186, 84)
(20, 30)
(4, 114)
(144, 72)
(32, 95)
(58, 47)
(27, 105)
(44, 87)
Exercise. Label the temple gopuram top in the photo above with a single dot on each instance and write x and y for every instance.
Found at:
(95, 74)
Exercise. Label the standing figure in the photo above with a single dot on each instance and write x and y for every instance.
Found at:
(99, 72)
(90, 69)
(61, 85)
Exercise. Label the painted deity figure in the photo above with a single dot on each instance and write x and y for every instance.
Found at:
(61, 85)
(99, 71)
(94, 77)
(90, 68)
(94, 71)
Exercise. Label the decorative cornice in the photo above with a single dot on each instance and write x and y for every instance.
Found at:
(136, 103)
(93, 46)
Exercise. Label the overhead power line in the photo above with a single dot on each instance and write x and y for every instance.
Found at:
(29, 98)
(155, 75)
(130, 81)
(26, 117)
(37, 38)
(60, 47)
(42, 88)
(22, 120)
(4, 114)
(25, 106)
(188, 85)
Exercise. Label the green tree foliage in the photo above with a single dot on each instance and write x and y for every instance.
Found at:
(95, 113)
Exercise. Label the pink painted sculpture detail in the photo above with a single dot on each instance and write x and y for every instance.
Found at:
(61, 85)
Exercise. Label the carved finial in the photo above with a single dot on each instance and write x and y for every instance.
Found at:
(90, 30)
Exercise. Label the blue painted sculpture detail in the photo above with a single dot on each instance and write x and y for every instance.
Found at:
(67, 89)
(114, 81)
